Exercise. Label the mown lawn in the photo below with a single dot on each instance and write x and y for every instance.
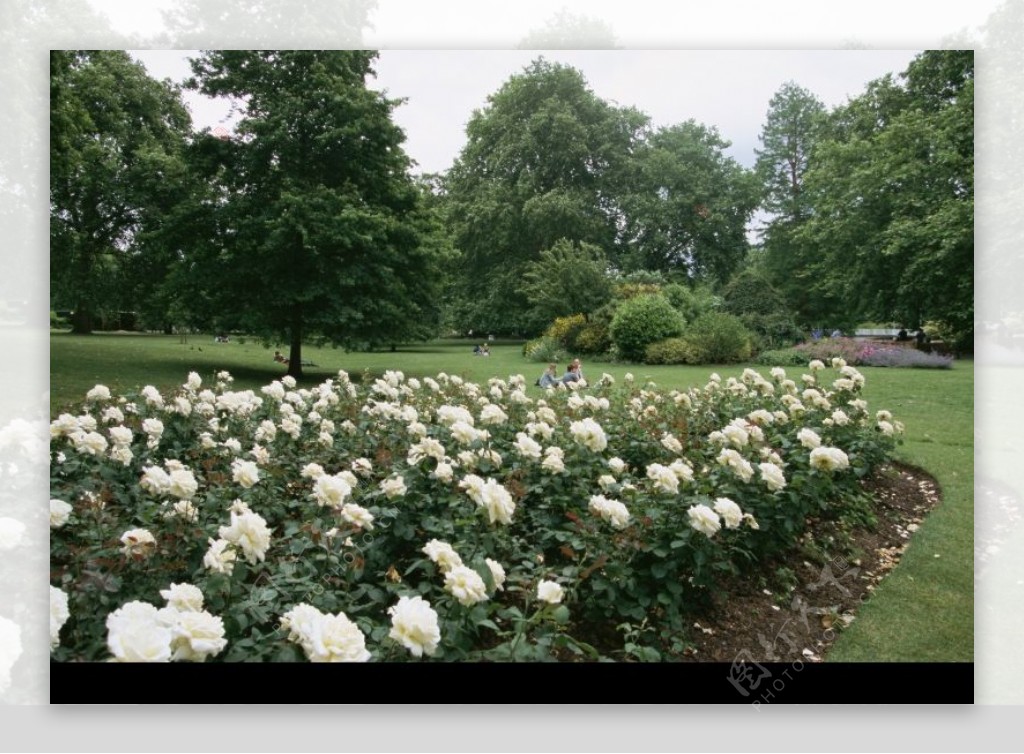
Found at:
(924, 611)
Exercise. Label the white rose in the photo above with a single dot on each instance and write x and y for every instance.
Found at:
(121, 436)
(443, 554)
(393, 487)
(98, 393)
(59, 513)
(664, 478)
(772, 476)
(550, 592)
(589, 434)
(195, 635)
(250, 533)
(220, 557)
(671, 444)
(497, 573)
(465, 585)
(136, 634)
(357, 515)
(183, 597)
(729, 511)
(414, 625)
(137, 543)
(444, 472)
(155, 480)
(829, 459)
(335, 638)
(59, 614)
(526, 446)
(704, 520)
(183, 484)
(245, 473)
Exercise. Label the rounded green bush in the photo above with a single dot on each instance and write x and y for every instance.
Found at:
(719, 338)
(593, 338)
(641, 321)
(670, 351)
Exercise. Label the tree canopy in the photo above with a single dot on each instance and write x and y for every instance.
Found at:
(539, 165)
(874, 221)
(117, 140)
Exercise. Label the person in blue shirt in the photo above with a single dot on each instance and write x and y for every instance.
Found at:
(550, 376)
(572, 375)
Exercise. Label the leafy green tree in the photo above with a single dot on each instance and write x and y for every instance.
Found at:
(688, 205)
(568, 279)
(321, 231)
(543, 161)
(117, 146)
(761, 308)
(893, 197)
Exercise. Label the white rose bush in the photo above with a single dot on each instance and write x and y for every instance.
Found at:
(435, 519)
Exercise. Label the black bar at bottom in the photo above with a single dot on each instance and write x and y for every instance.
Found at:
(758, 685)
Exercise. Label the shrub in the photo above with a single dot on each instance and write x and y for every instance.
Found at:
(593, 338)
(544, 349)
(566, 330)
(670, 351)
(718, 338)
(689, 302)
(641, 321)
(783, 357)
(627, 291)
(57, 321)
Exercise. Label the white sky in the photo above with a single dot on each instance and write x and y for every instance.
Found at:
(727, 89)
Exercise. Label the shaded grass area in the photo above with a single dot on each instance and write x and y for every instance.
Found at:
(922, 612)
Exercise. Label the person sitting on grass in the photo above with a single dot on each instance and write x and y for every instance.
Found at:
(550, 376)
(279, 358)
(572, 374)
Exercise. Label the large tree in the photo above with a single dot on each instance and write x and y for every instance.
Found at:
(543, 161)
(117, 141)
(319, 230)
(792, 127)
(893, 195)
(687, 205)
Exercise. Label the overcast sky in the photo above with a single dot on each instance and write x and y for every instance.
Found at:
(727, 89)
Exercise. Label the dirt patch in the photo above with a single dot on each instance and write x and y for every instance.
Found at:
(797, 611)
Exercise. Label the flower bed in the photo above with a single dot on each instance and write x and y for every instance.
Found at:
(435, 518)
(857, 353)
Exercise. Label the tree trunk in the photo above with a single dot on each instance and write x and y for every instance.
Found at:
(295, 354)
(81, 320)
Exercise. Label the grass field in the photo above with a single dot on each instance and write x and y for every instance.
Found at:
(924, 611)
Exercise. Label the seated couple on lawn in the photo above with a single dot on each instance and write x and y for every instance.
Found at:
(574, 373)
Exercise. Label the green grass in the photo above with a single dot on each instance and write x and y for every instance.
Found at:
(924, 611)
